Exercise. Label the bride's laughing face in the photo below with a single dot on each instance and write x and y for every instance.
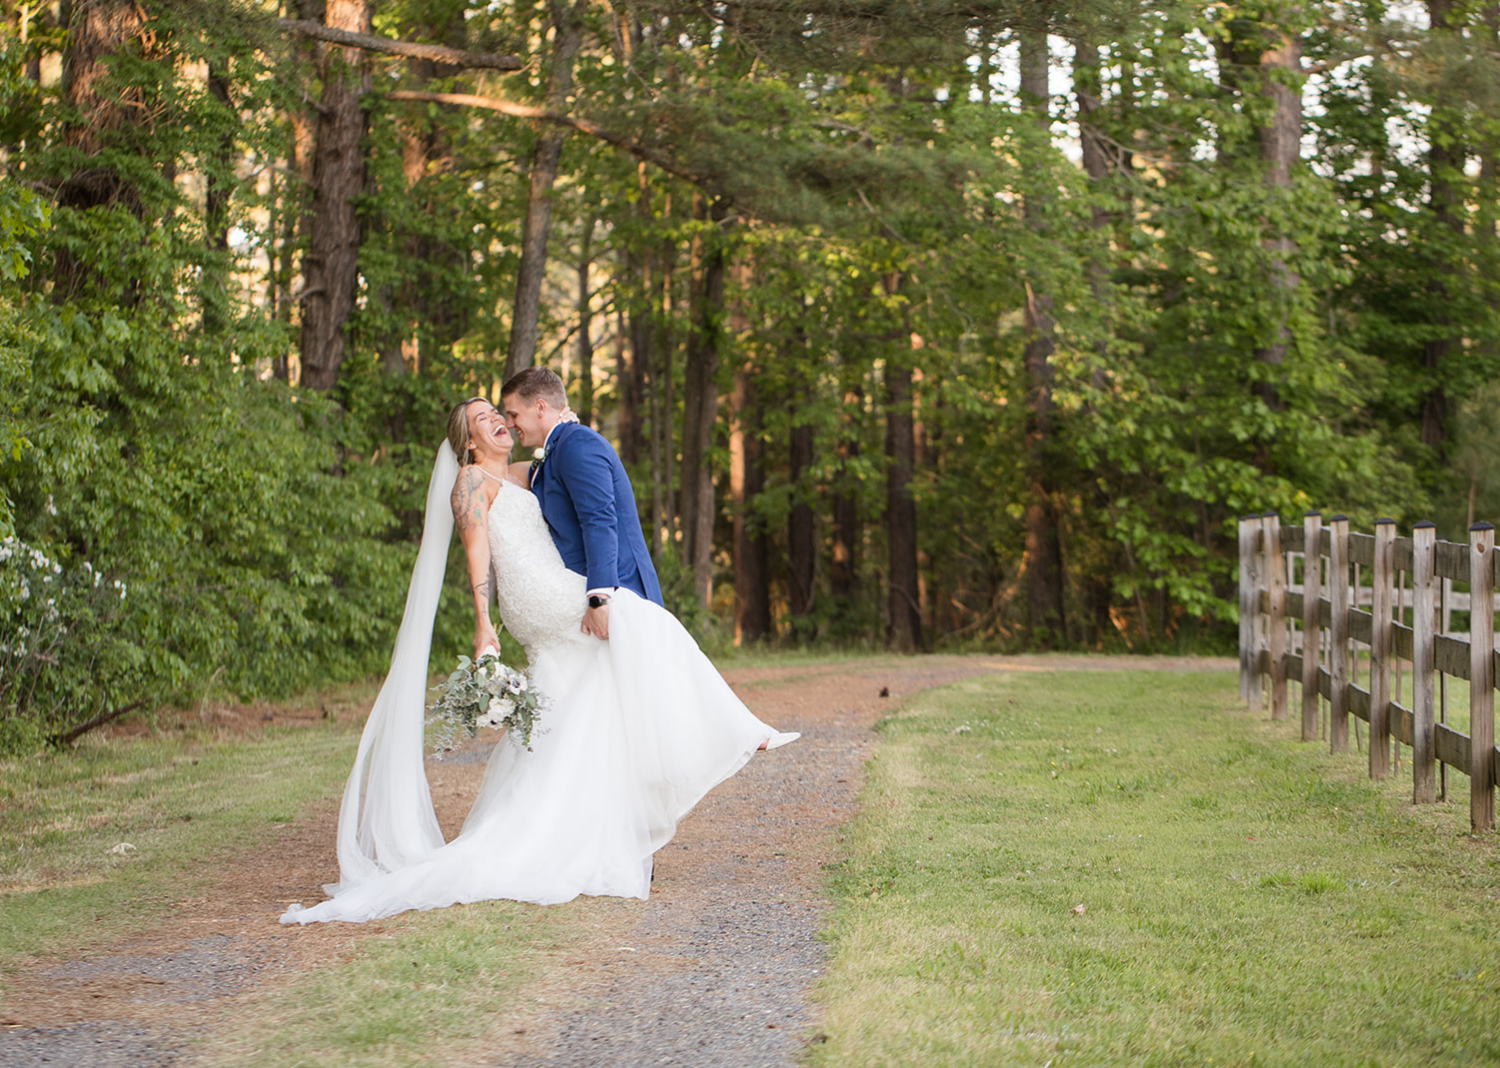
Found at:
(488, 435)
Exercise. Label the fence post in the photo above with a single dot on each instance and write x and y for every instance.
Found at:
(1249, 528)
(1338, 634)
(1276, 629)
(1482, 677)
(1382, 591)
(1312, 619)
(1423, 650)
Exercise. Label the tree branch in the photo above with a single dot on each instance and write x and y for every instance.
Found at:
(98, 721)
(370, 43)
(587, 126)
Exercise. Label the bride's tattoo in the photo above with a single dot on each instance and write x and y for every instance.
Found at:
(485, 589)
(468, 499)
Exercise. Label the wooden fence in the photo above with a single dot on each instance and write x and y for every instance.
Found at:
(1313, 633)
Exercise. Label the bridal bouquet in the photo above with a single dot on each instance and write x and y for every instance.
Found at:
(484, 693)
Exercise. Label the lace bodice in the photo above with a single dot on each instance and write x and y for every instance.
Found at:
(541, 601)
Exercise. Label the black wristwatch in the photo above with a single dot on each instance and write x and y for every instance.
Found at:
(597, 601)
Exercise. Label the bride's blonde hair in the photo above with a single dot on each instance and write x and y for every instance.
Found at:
(458, 430)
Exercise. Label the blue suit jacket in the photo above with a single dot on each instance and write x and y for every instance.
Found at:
(589, 507)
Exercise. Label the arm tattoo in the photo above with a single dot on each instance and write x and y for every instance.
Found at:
(468, 500)
(485, 590)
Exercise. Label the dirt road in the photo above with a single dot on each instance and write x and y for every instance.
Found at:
(716, 969)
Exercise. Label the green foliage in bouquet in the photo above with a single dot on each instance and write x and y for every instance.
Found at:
(486, 693)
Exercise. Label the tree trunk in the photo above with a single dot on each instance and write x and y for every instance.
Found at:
(1041, 564)
(418, 303)
(635, 380)
(904, 613)
(1098, 160)
(586, 328)
(629, 377)
(99, 30)
(1280, 148)
(1489, 153)
(536, 228)
(1446, 159)
(664, 348)
(752, 591)
(330, 267)
(801, 528)
(1096, 150)
(213, 291)
(844, 532)
(700, 398)
(297, 218)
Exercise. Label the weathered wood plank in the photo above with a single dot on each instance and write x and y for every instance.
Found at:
(1421, 639)
(1452, 747)
(1400, 719)
(1361, 626)
(1293, 539)
(1453, 561)
(1276, 629)
(1401, 641)
(1362, 549)
(1451, 655)
(1482, 676)
(1307, 610)
(1359, 702)
(1402, 548)
(1249, 533)
(1338, 634)
(1383, 582)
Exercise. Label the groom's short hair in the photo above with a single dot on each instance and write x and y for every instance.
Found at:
(536, 382)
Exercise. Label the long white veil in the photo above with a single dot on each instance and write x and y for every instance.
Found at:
(386, 820)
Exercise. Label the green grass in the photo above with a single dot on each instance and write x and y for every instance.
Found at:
(1090, 868)
(172, 804)
(440, 987)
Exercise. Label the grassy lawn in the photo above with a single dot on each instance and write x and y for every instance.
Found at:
(99, 841)
(452, 986)
(1058, 867)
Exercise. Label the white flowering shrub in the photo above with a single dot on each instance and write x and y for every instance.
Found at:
(60, 661)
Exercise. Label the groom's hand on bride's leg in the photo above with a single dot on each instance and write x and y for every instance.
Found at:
(596, 622)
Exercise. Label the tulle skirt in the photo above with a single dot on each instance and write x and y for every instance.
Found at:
(639, 728)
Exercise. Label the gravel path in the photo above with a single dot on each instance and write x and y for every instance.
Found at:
(716, 969)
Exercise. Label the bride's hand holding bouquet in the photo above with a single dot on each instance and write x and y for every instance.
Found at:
(484, 693)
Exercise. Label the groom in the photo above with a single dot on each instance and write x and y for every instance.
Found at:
(584, 493)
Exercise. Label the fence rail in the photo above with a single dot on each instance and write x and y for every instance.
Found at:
(1311, 633)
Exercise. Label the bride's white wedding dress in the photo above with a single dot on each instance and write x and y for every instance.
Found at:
(639, 728)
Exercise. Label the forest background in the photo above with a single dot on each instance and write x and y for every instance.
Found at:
(917, 323)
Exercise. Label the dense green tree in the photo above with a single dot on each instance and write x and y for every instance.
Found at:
(904, 339)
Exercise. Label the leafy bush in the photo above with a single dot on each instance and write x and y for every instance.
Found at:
(63, 660)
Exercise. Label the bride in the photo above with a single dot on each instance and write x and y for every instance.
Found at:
(637, 730)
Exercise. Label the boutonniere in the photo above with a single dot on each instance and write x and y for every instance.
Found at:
(538, 457)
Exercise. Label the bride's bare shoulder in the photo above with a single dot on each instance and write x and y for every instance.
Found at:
(520, 474)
